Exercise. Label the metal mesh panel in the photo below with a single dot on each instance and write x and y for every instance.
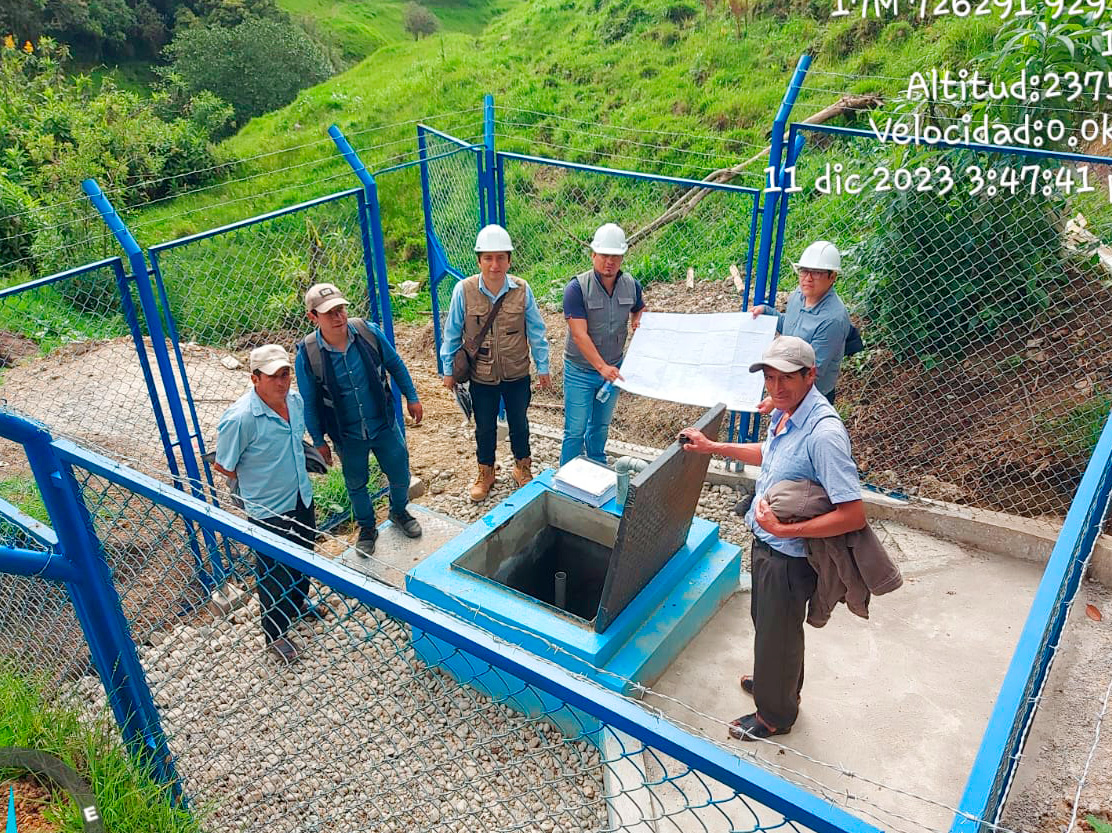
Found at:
(70, 361)
(453, 196)
(244, 286)
(39, 632)
(552, 213)
(362, 734)
(984, 308)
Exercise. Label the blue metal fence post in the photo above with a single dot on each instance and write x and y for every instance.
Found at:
(132, 318)
(96, 603)
(370, 215)
(775, 155)
(489, 181)
(162, 359)
(795, 147)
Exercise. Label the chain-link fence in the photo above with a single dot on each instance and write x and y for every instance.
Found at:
(553, 209)
(68, 349)
(242, 286)
(450, 186)
(978, 281)
(361, 734)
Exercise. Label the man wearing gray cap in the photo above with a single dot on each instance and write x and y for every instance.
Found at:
(806, 441)
(343, 370)
(258, 442)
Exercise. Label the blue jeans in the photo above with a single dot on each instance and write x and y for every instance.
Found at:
(586, 420)
(389, 449)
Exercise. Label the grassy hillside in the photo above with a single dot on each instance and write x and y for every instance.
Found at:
(359, 27)
(572, 79)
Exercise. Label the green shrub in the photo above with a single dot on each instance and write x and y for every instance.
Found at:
(945, 273)
(257, 66)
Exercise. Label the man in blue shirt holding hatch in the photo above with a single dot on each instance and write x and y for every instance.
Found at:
(806, 441)
(816, 314)
(258, 442)
(349, 399)
(600, 305)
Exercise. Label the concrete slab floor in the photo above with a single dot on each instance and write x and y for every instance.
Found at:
(901, 699)
(395, 553)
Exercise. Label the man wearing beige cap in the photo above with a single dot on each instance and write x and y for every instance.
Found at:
(343, 370)
(806, 441)
(258, 442)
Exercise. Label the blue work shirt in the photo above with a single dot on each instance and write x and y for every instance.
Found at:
(266, 454)
(453, 329)
(357, 410)
(824, 326)
(805, 449)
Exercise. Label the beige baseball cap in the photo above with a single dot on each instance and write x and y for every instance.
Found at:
(269, 359)
(786, 354)
(322, 297)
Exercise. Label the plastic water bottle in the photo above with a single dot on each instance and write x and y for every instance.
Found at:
(604, 392)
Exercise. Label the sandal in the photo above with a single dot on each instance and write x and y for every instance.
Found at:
(751, 727)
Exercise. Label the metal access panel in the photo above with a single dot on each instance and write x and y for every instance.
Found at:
(656, 520)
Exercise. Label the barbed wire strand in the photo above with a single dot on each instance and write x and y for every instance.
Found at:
(1089, 759)
(247, 159)
(224, 183)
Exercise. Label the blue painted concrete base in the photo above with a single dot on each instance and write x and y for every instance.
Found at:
(635, 650)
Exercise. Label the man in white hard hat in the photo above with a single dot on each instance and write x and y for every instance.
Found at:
(600, 305)
(816, 314)
(806, 441)
(258, 442)
(501, 368)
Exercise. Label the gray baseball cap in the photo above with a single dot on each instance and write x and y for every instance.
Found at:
(786, 354)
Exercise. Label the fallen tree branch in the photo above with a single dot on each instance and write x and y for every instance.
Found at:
(690, 198)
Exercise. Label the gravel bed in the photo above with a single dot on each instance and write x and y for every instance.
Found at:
(360, 735)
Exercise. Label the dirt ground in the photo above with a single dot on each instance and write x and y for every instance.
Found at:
(31, 802)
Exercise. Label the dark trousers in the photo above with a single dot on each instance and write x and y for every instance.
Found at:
(484, 401)
(782, 585)
(283, 590)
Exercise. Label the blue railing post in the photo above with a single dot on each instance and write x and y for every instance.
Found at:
(775, 156)
(96, 602)
(490, 183)
(370, 218)
(162, 358)
(795, 147)
(132, 318)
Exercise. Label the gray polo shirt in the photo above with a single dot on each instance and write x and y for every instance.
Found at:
(825, 327)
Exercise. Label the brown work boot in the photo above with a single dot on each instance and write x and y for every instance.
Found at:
(523, 470)
(483, 482)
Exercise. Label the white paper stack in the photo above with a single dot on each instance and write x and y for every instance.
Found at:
(586, 480)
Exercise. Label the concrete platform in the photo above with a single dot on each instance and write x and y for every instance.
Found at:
(395, 554)
(901, 699)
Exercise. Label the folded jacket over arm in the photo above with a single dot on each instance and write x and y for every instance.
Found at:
(850, 567)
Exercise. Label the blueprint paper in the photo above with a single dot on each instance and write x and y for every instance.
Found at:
(698, 359)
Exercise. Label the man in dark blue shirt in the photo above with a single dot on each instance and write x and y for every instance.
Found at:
(600, 305)
(352, 403)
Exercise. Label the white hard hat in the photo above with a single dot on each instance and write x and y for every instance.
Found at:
(609, 240)
(493, 238)
(821, 254)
